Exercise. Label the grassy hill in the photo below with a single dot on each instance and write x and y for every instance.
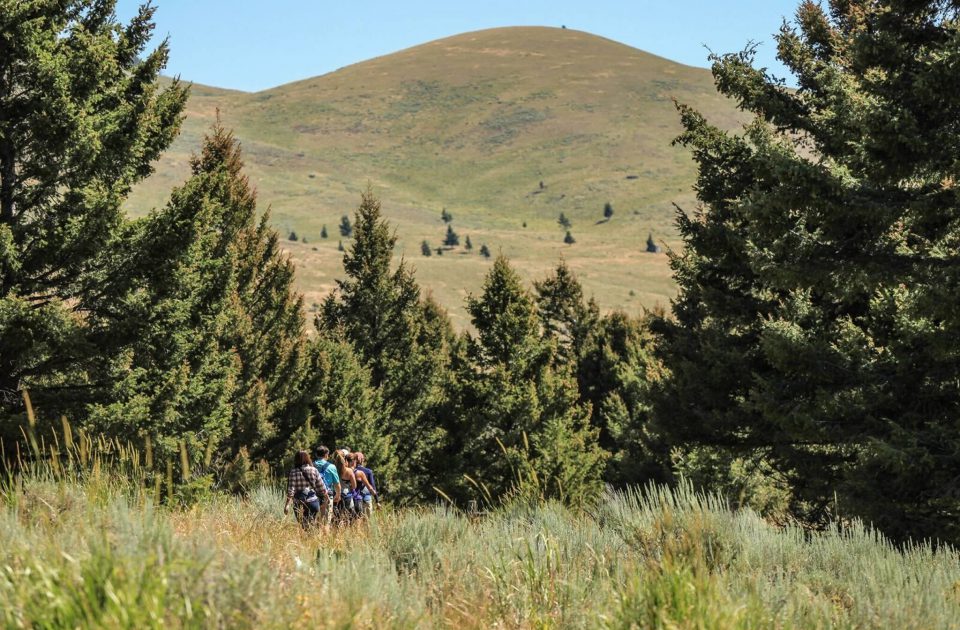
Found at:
(503, 128)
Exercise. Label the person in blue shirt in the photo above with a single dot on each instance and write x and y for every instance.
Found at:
(328, 472)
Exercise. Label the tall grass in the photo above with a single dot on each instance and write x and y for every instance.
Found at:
(99, 552)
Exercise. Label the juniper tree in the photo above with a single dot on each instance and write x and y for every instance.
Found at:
(81, 120)
(293, 236)
(568, 239)
(816, 320)
(323, 231)
(445, 216)
(425, 249)
(484, 250)
(467, 245)
(607, 211)
(564, 222)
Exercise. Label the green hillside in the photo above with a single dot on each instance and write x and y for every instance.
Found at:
(474, 123)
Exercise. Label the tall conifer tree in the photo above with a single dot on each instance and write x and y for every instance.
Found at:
(517, 410)
(81, 119)
(816, 320)
(380, 312)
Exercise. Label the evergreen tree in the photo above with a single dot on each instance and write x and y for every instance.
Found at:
(607, 211)
(467, 245)
(568, 239)
(323, 231)
(379, 311)
(82, 120)
(340, 246)
(516, 416)
(345, 408)
(425, 249)
(564, 221)
(451, 239)
(484, 250)
(446, 216)
(210, 332)
(564, 314)
(346, 229)
(816, 318)
(293, 236)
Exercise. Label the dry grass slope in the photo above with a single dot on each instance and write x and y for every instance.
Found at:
(474, 123)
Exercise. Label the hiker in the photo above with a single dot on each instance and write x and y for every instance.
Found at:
(348, 481)
(305, 489)
(331, 478)
(368, 487)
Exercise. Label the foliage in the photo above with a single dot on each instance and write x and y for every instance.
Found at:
(568, 239)
(484, 250)
(425, 249)
(607, 211)
(101, 554)
(564, 222)
(815, 324)
(467, 245)
(323, 231)
(515, 411)
(451, 239)
(445, 216)
(83, 120)
(398, 337)
(346, 228)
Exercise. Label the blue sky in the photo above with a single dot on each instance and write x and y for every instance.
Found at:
(256, 44)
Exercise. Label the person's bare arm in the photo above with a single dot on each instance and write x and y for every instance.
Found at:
(362, 478)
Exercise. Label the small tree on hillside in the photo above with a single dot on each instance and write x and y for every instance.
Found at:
(467, 244)
(451, 239)
(293, 236)
(323, 232)
(564, 221)
(425, 248)
(484, 250)
(568, 239)
(339, 246)
(607, 211)
(346, 228)
(446, 216)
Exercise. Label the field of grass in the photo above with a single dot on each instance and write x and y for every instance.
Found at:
(474, 124)
(102, 554)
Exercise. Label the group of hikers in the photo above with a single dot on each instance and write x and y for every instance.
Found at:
(324, 491)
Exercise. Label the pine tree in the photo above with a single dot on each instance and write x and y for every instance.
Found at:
(607, 211)
(379, 311)
(451, 239)
(293, 236)
(467, 245)
(484, 250)
(425, 249)
(445, 216)
(340, 246)
(816, 318)
(516, 411)
(83, 120)
(564, 221)
(323, 231)
(568, 239)
(346, 229)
